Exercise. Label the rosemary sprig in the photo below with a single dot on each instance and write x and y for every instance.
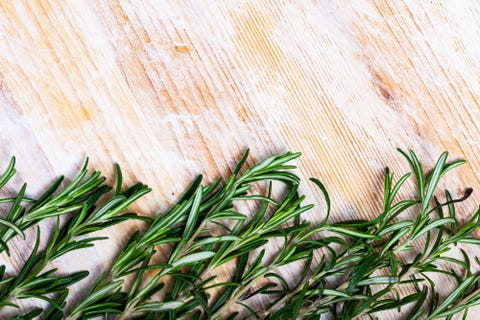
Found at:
(379, 263)
(50, 204)
(78, 198)
(185, 227)
(170, 270)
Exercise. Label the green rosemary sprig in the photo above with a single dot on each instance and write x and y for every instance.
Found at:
(185, 227)
(79, 198)
(52, 203)
(378, 263)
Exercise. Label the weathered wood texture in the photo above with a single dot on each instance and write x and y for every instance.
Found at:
(169, 89)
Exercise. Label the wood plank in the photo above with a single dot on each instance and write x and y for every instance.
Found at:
(170, 89)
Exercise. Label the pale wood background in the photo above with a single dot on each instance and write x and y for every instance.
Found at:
(169, 89)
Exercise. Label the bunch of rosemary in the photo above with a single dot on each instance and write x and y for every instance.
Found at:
(224, 249)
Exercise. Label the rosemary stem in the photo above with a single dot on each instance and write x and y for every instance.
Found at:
(127, 312)
(277, 305)
(233, 299)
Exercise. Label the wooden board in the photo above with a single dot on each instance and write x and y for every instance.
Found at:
(170, 89)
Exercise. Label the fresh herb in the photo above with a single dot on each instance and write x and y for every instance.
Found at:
(224, 249)
(78, 199)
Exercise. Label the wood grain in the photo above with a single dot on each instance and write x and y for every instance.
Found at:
(170, 89)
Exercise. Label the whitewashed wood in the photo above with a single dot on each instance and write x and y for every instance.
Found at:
(169, 89)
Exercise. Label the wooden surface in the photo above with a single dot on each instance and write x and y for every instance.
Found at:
(169, 89)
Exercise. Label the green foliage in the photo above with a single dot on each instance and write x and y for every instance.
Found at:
(78, 201)
(242, 228)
